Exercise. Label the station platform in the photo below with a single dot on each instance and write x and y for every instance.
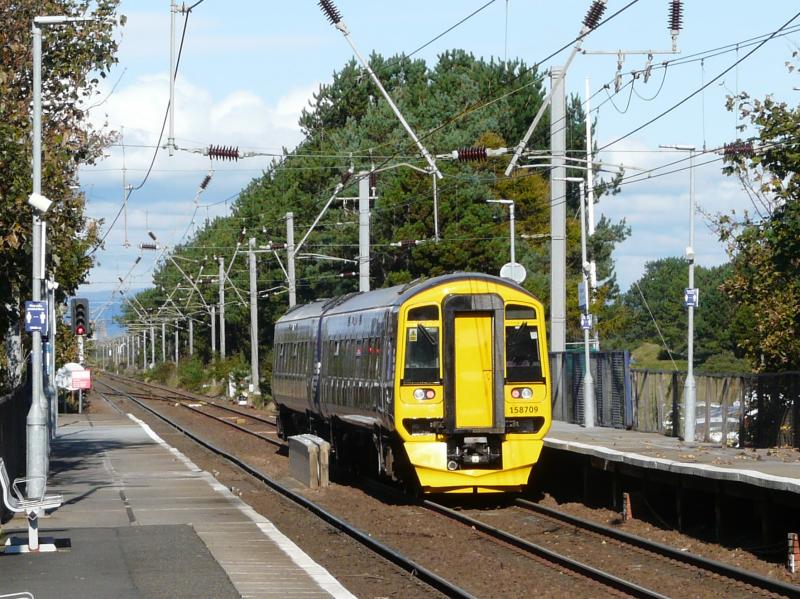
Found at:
(139, 519)
(767, 469)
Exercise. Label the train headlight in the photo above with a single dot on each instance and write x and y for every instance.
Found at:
(515, 393)
(522, 393)
(430, 394)
(527, 393)
(419, 394)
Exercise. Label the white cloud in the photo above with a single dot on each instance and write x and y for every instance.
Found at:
(657, 209)
(166, 204)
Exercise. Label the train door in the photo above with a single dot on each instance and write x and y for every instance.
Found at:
(473, 370)
(473, 373)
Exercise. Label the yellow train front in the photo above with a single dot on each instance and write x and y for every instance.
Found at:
(442, 383)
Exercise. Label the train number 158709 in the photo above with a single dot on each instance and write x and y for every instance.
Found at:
(524, 409)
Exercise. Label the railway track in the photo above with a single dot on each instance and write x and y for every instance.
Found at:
(428, 577)
(675, 568)
(683, 565)
(244, 421)
(665, 552)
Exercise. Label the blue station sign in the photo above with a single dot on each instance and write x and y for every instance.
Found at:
(36, 317)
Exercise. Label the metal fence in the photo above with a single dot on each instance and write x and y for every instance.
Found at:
(747, 410)
(611, 374)
(758, 410)
(14, 408)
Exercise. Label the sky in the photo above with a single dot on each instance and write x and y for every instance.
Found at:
(249, 67)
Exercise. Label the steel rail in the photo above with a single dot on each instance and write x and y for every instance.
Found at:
(423, 574)
(751, 578)
(609, 580)
(187, 395)
(235, 425)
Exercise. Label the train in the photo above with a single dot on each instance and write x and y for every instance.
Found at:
(440, 384)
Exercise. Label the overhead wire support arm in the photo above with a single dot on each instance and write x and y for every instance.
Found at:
(335, 18)
(336, 191)
(590, 21)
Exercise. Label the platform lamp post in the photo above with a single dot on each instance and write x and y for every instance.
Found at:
(691, 298)
(36, 423)
(510, 204)
(586, 316)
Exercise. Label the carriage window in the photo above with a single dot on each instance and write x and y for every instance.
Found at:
(517, 312)
(522, 354)
(422, 355)
(424, 313)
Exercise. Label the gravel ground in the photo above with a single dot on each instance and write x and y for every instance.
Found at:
(481, 566)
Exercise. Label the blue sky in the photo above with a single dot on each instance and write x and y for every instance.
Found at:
(249, 67)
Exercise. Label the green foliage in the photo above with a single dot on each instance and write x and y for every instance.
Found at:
(73, 57)
(717, 322)
(725, 362)
(764, 244)
(163, 372)
(191, 374)
(348, 117)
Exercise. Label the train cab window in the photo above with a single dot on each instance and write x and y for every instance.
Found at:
(517, 312)
(424, 313)
(422, 355)
(523, 362)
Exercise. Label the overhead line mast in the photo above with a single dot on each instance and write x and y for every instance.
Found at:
(335, 17)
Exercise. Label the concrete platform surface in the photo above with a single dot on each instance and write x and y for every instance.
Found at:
(777, 469)
(141, 520)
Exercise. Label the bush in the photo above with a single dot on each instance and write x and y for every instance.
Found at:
(164, 373)
(191, 374)
(725, 362)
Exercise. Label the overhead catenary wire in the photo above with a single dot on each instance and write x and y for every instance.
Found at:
(155, 152)
(701, 88)
(633, 175)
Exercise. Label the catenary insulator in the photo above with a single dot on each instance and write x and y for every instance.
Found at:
(465, 154)
(676, 16)
(206, 180)
(330, 10)
(594, 14)
(223, 152)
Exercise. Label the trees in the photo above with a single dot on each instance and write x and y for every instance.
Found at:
(349, 123)
(72, 56)
(656, 296)
(764, 243)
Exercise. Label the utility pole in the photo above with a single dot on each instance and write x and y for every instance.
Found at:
(691, 297)
(254, 382)
(191, 337)
(363, 230)
(176, 344)
(144, 350)
(152, 346)
(51, 356)
(588, 379)
(558, 226)
(590, 205)
(221, 308)
(171, 138)
(36, 422)
(290, 259)
(163, 342)
(213, 330)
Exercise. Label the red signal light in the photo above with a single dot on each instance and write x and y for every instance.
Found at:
(80, 330)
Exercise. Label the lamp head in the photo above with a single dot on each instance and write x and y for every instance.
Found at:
(38, 201)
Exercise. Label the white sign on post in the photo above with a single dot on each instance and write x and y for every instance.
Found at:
(514, 271)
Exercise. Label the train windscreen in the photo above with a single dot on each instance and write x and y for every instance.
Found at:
(523, 362)
(422, 355)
